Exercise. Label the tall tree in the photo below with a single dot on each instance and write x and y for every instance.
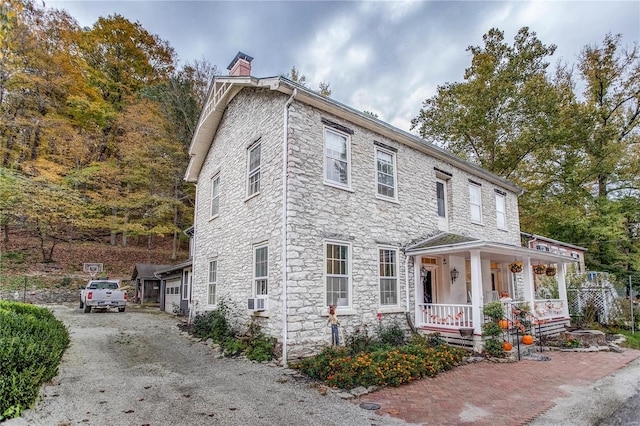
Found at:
(180, 101)
(502, 112)
(577, 154)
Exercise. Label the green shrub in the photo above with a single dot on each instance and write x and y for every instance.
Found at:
(338, 368)
(233, 347)
(359, 340)
(214, 324)
(491, 329)
(32, 342)
(260, 348)
(493, 347)
(494, 310)
(391, 334)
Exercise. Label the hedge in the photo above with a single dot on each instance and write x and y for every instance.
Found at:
(32, 342)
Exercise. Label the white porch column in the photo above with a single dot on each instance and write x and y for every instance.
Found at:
(562, 288)
(476, 292)
(527, 279)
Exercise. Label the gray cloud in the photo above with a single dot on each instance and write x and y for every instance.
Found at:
(381, 56)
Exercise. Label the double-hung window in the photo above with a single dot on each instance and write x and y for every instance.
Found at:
(388, 267)
(261, 270)
(337, 157)
(501, 214)
(185, 285)
(338, 273)
(213, 282)
(386, 173)
(215, 196)
(475, 202)
(253, 184)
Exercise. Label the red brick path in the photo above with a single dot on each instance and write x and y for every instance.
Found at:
(487, 393)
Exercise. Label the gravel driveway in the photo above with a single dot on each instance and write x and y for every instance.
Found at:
(137, 368)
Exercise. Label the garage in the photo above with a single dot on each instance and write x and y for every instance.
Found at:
(172, 295)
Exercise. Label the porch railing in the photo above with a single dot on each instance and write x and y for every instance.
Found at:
(447, 316)
(548, 308)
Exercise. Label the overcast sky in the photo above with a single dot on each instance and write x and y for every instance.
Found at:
(380, 56)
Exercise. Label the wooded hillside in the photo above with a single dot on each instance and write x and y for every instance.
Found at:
(95, 124)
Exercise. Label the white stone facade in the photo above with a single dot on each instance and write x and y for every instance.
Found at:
(318, 213)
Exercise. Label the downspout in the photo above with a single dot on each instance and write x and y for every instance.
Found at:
(407, 313)
(406, 281)
(283, 244)
(193, 257)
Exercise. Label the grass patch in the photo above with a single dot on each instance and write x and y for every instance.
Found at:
(32, 342)
(633, 340)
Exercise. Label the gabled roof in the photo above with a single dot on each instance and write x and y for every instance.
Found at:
(178, 267)
(224, 89)
(146, 270)
(445, 243)
(442, 239)
(551, 240)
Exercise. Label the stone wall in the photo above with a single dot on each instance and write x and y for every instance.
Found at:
(319, 213)
(42, 296)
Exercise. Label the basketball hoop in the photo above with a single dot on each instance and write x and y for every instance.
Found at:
(92, 268)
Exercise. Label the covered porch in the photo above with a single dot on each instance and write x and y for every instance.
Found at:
(456, 277)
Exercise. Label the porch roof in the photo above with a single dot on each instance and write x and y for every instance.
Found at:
(498, 252)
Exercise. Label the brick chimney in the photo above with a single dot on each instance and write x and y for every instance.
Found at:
(241, 65)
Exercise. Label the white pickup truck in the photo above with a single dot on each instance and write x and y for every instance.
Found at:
(103, 294)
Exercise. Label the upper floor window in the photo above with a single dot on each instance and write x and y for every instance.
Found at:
(501, 211)
(475, 202)
(215, 196)
(213, 282)
(388, 266)
(386, 173)
(254, 170)
(261, 270)
(338, 273)
(337, 157)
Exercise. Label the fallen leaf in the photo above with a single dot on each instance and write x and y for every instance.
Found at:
(128, 412)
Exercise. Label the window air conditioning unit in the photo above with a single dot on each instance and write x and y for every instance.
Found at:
(257, 304)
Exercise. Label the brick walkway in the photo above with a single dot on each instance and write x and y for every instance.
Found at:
(487, 393)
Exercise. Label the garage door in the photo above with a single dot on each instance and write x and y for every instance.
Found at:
(172, 295)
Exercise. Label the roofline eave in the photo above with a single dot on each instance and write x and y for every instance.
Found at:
(489, 247)
(200, 142)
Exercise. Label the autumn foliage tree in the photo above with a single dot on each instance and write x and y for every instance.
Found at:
(577, 154)
(93, 151)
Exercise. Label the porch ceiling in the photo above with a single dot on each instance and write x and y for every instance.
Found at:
(495, 252)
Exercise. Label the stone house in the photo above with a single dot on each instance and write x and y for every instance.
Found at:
(304, 202)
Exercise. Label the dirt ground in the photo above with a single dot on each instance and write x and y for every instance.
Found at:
(137, 368)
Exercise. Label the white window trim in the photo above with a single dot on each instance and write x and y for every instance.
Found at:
(250, 172)
(504, 212)
(257, 247)
(349, 272)
(209, 282)
(184, 283)
(397, 277)
(395, 173)
(326, 181)
(216, 177)
(479, 205)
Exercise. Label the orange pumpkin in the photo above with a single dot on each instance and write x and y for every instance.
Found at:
(527, 339)
(503, 323)
(507, 346)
